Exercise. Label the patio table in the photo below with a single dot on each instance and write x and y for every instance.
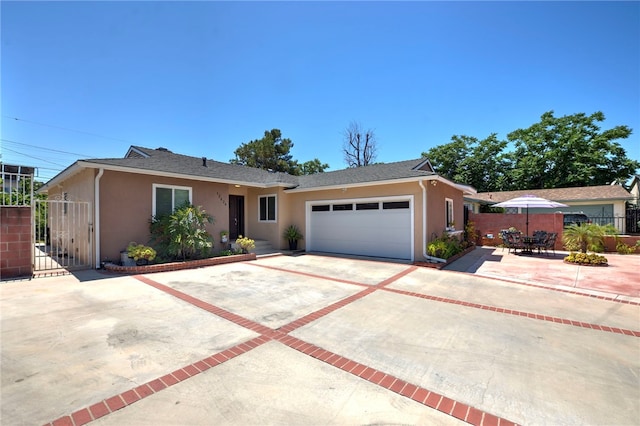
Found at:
(527, 245)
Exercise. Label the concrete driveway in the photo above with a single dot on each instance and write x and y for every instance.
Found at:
(314, 340)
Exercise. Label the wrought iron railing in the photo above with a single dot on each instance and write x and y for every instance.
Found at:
(624, 224)
(17, 189)
(633, 221)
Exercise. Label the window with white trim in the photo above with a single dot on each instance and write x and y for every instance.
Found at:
(166, 198)
(449, 213)
(267, 208)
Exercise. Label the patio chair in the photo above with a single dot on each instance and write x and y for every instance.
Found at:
(514, 242)
(503, 236)
(539, 236)
(549, 243)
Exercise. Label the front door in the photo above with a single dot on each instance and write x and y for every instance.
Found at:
(236, 216)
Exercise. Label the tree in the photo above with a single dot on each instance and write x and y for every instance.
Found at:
(569, 151)
(312, 167)
(557, 152)
(269, 153)
(359, 146)
(272, 153)
(480, 163)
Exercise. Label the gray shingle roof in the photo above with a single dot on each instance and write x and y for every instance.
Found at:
(582, 193)
(164, 161)
(169, 162)
(372, 173)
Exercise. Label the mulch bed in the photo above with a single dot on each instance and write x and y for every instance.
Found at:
(586, 264)
(176, 266)
(442, 265)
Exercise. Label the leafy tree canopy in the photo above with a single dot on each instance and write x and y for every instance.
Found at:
(480, 163)
(557, 152)
(272, 153)
(312, 167)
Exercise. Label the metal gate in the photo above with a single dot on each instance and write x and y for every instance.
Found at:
(62, 234)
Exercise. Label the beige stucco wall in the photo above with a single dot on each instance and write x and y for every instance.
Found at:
(436, 195)
(269, 231)
(78, 187)
(126, 208)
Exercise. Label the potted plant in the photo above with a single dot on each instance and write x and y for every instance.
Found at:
(245, 243)
(140, 253)
(292, 234)
(224, 236)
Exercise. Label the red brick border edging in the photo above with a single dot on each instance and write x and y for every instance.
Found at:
(176, 266)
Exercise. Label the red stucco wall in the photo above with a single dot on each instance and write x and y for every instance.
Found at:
(15, 242)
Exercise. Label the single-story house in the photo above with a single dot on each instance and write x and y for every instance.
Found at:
(602, 203)
(634, 189)
(383, 210)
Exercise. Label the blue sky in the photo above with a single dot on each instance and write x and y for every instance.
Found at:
(200, 78)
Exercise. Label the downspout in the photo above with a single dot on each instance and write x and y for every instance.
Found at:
(96, 225)
(424, 227)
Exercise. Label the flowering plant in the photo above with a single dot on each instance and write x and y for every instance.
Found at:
(586, 259)
(245, 243)
(140, 251)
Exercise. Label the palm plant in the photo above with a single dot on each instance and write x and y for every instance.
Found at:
(183, 233)
(585, 236)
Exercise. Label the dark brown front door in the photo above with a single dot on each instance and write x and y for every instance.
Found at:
(236, 216)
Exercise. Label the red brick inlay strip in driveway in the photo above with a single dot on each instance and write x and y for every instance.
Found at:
(307, 274)
(531, 315)
(431, 399)
(576, 292)
(230, 316)
(288, 328)
(108, 406)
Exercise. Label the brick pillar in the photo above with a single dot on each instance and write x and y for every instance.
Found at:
(15, 242)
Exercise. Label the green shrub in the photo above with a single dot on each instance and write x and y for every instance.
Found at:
(140, 252)
(585, 236)
(586, 259)
(622, 248)
(444, 247)
(182, 234)
(245, 243)
(470, 234)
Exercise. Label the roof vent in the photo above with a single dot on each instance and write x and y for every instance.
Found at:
(163, 149)
(204, 161)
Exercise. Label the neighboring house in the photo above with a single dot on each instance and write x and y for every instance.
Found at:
(382, 210)
(634, 189)
(603, 203)
(10, 175)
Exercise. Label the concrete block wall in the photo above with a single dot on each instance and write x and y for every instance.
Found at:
(15, 242)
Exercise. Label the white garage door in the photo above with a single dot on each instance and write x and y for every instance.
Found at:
(379, 228)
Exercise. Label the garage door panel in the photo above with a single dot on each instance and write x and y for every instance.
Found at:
(379, 233)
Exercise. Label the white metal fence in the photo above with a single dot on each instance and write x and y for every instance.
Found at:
(62, 235)
(17, 189)
(61, 230)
